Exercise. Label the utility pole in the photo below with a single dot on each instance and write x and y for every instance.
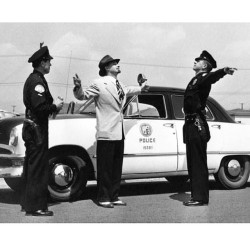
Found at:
(242, 103)
(68, 77)
(13, 108)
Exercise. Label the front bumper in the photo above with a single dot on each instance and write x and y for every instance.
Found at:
(11, 165)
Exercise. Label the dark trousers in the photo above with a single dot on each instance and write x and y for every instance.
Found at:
(196, 151)
(109, 169)
(36, 172)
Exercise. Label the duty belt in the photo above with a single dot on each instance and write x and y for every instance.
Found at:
(190, 117)
(195, 119)
(30, 116)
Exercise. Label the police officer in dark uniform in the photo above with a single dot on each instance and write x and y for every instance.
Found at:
(39, 106)
(196, 131)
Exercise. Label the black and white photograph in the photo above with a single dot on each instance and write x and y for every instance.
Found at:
(113, 121)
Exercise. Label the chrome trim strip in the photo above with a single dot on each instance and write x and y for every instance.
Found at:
(223, 153)
(12, 156)
(184, 153)
(130, 176)
(8, 147)
(154, 154)
(145, 154)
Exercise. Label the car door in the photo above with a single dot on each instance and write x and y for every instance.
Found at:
(216, 128)
(150, 144)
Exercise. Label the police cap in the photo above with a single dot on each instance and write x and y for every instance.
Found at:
(207, 57)
(41, 54)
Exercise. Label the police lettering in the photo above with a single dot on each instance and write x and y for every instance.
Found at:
(147, 140)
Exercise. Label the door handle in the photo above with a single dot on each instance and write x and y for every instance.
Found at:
(168, 125)
(216, 126)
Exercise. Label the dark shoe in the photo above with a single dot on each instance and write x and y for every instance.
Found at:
(40, 213)
(119, 203)
(106, 204)
(194, 203)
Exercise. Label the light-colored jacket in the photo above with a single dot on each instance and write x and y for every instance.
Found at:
(109, 114)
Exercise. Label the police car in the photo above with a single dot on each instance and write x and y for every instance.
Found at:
(153, 147)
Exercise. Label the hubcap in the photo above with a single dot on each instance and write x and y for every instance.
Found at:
(63, 174)
(234, 168)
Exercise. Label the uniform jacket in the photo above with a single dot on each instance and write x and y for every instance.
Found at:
(109, 114)
(195, 99)
(37, 98)
(198, 90)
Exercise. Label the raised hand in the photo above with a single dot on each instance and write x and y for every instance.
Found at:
(141, 79)
(144, 86)
(77, 81)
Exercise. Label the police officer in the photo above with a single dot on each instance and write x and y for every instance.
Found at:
(39, 106)
(196, 131)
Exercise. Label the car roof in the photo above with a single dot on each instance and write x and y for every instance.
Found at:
(166, 89)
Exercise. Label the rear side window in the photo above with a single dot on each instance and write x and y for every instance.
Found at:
(177, 101)
(146, 106)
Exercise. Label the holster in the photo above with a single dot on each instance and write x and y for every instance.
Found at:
(204, 129)
(36, 129)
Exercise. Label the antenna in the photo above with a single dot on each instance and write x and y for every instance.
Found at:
(13, 106)
(68, 76)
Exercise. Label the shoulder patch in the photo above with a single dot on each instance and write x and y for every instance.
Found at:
(39, 88)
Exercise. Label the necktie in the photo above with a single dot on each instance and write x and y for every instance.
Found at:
(119, 90)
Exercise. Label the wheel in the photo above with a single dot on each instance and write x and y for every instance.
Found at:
(67, 178)
(14, 183)
(178, 180)
(233, 172)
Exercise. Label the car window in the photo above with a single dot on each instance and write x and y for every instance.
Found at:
(177, 101)
(88, 107)
(146, 106)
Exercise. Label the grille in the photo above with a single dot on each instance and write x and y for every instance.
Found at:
(5, 163)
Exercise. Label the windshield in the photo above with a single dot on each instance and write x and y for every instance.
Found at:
(87, 108)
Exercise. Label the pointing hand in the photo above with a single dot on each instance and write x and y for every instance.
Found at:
(229, 71)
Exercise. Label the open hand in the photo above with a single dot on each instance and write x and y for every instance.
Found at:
(141, 79)
(144, 86)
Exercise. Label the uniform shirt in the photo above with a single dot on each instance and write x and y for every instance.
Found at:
(198, 90)
(37, 98)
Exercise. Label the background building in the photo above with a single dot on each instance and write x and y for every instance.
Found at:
(240, 115)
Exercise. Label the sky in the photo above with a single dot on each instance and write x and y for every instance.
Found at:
(163, 51)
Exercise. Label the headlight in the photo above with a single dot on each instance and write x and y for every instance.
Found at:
(13, 137)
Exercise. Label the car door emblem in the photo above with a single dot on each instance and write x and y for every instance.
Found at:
(145, 129)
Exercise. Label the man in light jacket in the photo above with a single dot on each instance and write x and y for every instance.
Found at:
(110, 96)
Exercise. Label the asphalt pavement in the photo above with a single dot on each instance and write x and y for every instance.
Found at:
(148, 201)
